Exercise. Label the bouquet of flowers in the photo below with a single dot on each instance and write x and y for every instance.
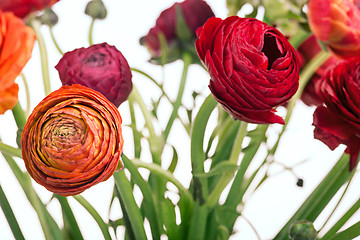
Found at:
(202, 141)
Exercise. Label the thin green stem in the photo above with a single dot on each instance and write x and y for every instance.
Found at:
(226, 177)
(187, 59)
(252, 226)
(19, 115)
(55, 42)
(36, 25)
(91, 32)
(153, 80)
(27, 92)
(15, 152)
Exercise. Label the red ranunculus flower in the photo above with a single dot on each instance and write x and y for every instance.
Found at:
(101, 67)
(307, 51)
(16, 45)
(337, 24)
(194, 13)
(22, 8)
(72, 140)
(253, 68)
(338, 121)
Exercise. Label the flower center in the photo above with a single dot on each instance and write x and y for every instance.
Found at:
(270, 49)
(95, 60)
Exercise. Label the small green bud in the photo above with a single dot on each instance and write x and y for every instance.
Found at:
(96, 9)
(49, 18)
(302, 230)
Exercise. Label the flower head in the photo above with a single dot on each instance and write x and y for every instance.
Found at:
(101, 67)
(16, 44)
(253, 68)
(22, 8)
(72, 140)
(338, 121)
(194, 13)
(337, 24)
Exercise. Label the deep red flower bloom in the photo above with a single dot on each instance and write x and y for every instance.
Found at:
(101, 67)
(72, 140)
(194, 12)
(22, 8)
(307, 51)
(337, 24)
(253, 68)
(338, 122)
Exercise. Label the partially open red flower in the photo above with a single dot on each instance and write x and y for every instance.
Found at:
(101, 67)
(338, 121)
(16, 45)
(22, 8)
(253, 68)
(337, 24)
(72, 140)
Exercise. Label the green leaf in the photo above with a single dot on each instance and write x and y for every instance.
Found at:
(91, 210)
(129, 205)
(10, 217)
(321, 196)
(198, 222)
(174, 160)
(219, 169)
(167, 210)
(348, 234)
(70, 224)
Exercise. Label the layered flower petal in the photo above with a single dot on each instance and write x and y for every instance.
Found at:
(16, 45)
(253, 68)
(337, 24)
(72, 140)
(338, 122)
(101, 67)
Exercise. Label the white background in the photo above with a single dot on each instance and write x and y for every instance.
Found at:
(268, 209)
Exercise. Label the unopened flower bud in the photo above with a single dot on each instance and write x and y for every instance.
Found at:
(96, 9)
(302, 230)
(49, 18)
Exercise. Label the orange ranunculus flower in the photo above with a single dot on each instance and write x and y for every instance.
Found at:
(72, 140)
(337, 24)
(16, 44)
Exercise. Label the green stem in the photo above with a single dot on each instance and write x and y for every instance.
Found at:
(348, 234)
(36, 25)
(187, 59)
(10, 217)
(19, 115)
(298, 38)
(226, 177)
(91, 32)
(4, 148)
(27, 92)
(132, 210)
(55, 42)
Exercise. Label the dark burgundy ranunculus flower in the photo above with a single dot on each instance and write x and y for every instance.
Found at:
(338, 121)
(253, 68)
(101, 67)
(194, 13)
(22, 8)
(307, 51)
